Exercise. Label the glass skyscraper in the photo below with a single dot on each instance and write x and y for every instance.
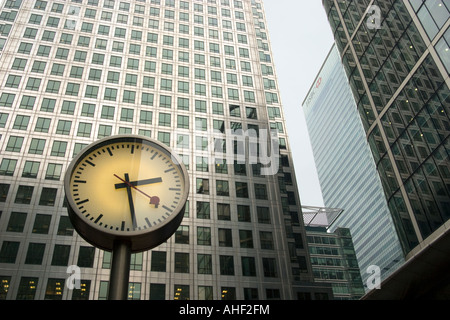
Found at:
(346, 170)
(396, 56)
(195, 75)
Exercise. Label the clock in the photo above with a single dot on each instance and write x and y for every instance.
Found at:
(126, 188)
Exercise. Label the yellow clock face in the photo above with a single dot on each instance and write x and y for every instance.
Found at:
(127, 186)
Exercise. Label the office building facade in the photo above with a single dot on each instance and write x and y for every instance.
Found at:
(396, 56)
(334, 261)
(195, 75)
(346, 169)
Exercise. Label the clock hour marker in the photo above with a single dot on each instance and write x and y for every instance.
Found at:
(122, 227)
(98, 218)
(90, 163)
(79, 181)
(148, 222)
(153, 157)
(168, 209)
(168, 170)
(109, 151)
(83, 201)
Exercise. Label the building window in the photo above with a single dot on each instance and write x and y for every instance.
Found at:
(4, 189)
(31, 169)
(202, 186)
(248, 266)
(181, 292)
(164, 137)
(263, 214)
(42, 223)
(204, 236)
(35, 253)
(157, 291)
(7, 167)
(83, 292)
(204, 264)
(266, 239)
(202, 164)
(182, 235)
(14, 144)
(86, 257)
(54, 289)
(203, 210)
(127, 115)
(243, 212)
(269, 267)
(181, 262)
(225, 238)
(37, 146)
(260, 191)
(246, 238)
(158, 261)
(16, 222)
(65, 227)
(63, 127)
(48, 197)
(59, 149)
(226, 265)
(241, 190)
(27, 285)
(61, 255)
(223, 211)
(165, 119)
(8, 252)
(24, 194)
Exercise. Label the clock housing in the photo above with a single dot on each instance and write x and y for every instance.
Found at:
(126, 188)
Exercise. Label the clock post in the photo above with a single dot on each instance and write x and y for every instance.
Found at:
(126, 194)
(120, 271)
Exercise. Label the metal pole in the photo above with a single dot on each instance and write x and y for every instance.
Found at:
(120, 271)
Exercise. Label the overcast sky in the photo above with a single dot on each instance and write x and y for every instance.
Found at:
(301, 39)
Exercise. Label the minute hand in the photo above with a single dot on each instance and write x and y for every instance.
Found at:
(138, 183)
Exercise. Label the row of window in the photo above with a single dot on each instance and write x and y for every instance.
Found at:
(63, 127)
(133, 64)
(135, 48)
(138, 8)
(61, 253)
(76, 72)
(55, 287)
(158, 263)
(138, 21)
(24, 193)
(107, 112)
(130, 97)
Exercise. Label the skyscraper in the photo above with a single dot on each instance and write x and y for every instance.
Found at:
(396, 56)
(346, 169)
(195, 75)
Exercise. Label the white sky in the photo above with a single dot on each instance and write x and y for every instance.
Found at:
(301, 39)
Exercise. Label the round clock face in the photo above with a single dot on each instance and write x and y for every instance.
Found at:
(126, 188)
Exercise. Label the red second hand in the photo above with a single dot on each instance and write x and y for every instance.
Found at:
(134, 187)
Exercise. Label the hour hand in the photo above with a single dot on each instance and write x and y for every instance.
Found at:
(138, 183)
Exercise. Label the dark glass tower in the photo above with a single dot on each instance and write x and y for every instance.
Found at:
(397, 59)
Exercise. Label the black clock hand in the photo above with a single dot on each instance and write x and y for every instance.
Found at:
(138, 183)
(153, 200)
(130, 201)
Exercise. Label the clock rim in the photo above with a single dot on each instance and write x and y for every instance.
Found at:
(141, 240)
